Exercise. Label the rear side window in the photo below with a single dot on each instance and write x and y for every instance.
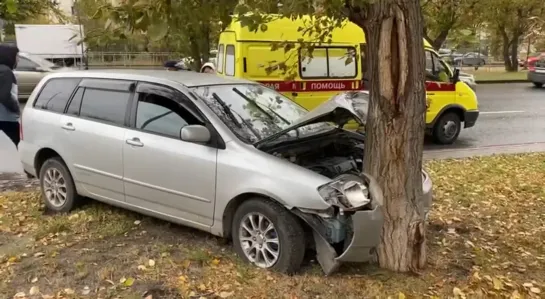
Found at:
(220, 58)
(329, 62)
(105, 105)
(230, 60)
(56, 93)
(75, 104)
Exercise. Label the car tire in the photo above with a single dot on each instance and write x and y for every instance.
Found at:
(447, 128)
(538, 84)
(255, 244)
(57, 186)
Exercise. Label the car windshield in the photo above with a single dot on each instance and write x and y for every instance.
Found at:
(41, 61)
(254, 112)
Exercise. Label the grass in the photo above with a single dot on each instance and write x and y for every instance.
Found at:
(485, 238)
(496, 75)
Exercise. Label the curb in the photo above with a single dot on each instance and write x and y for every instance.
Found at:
(501, 81)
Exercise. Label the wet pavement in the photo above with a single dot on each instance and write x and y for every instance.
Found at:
(512, 120)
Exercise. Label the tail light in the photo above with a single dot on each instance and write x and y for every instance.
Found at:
(532, 65)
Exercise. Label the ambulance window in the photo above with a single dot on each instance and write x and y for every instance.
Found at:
(315, 67)
(220, 59)
(230, 60)
(342, 62)
(329, 62)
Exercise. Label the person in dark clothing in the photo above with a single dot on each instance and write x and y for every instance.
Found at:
(9, 103)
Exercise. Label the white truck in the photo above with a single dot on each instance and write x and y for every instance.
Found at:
(60, 44)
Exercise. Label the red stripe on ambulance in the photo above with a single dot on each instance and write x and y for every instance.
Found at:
(300, 86)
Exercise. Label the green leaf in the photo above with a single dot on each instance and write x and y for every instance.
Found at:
(128, 282)
(98, 14)
(108, 24)
(158, 31)
(141, 4)
(11, 6)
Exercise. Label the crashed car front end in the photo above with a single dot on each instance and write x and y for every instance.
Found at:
(349, 231)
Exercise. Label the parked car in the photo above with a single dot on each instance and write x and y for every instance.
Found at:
(536, 74)
(30, 70)
(531, 61)
(469, 79)
(223, 155)
(470, 59)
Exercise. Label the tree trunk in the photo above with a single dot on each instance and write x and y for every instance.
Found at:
(506, 51)
(395, 125)
(514, 53)
(440, 39)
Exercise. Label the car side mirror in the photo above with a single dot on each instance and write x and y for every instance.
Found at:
(195, 133)
(456, 76)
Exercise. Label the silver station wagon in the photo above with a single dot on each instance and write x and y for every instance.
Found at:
(230, 157)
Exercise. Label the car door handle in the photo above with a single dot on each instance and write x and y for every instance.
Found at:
(69, 127)
(134, 142)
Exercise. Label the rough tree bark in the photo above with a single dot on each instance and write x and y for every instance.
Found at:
(395, 124)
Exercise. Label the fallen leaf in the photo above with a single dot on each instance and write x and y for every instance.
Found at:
(128, 282)
(86, 291)
(136, 222)
(458, 293)
(498, 284)
(141, 267)
(69, 291)
(401, 295)
(535, 290)
(202, 287)
(226, 294)
(20, 295)
(39, 254)
(215, 262)
(34, 291)
(151, 263)
(35, 279)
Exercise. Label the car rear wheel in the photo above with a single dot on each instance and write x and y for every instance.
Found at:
(57, 185)
(538, 84)
(268, 236)
(447, 128)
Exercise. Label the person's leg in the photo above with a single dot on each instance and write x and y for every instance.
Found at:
(11, 129)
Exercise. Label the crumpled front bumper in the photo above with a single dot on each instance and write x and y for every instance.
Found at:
(366, 230)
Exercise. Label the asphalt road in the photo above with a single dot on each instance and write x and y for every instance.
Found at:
(512, 120)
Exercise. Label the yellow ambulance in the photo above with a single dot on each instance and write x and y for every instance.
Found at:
(336, 66)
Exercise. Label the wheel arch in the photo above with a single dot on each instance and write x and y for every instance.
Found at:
(456, 108)
(43, 155)
(232, 206)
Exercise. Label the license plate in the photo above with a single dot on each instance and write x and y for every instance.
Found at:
(540, 70)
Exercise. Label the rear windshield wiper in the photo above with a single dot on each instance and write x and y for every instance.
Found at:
(229, 113)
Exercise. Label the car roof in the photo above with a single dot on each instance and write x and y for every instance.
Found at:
(187, 78)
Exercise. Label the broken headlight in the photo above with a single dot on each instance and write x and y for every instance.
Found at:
(348, 192)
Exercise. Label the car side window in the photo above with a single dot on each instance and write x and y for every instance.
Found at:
(105, 105)
(55, 94)
(75, 104)
(25, 64)
(161, 115)
(435, 70)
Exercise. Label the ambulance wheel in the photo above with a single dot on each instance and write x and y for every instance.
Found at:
(447, 128)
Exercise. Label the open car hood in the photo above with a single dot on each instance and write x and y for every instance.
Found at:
(339, 110)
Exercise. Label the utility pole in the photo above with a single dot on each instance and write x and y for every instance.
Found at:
(75, 8)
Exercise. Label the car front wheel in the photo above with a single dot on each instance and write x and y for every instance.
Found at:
(57, 185)
(447, 128)
(538, 84)
(268, 236)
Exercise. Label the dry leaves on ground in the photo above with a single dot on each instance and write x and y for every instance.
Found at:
(485, 240)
